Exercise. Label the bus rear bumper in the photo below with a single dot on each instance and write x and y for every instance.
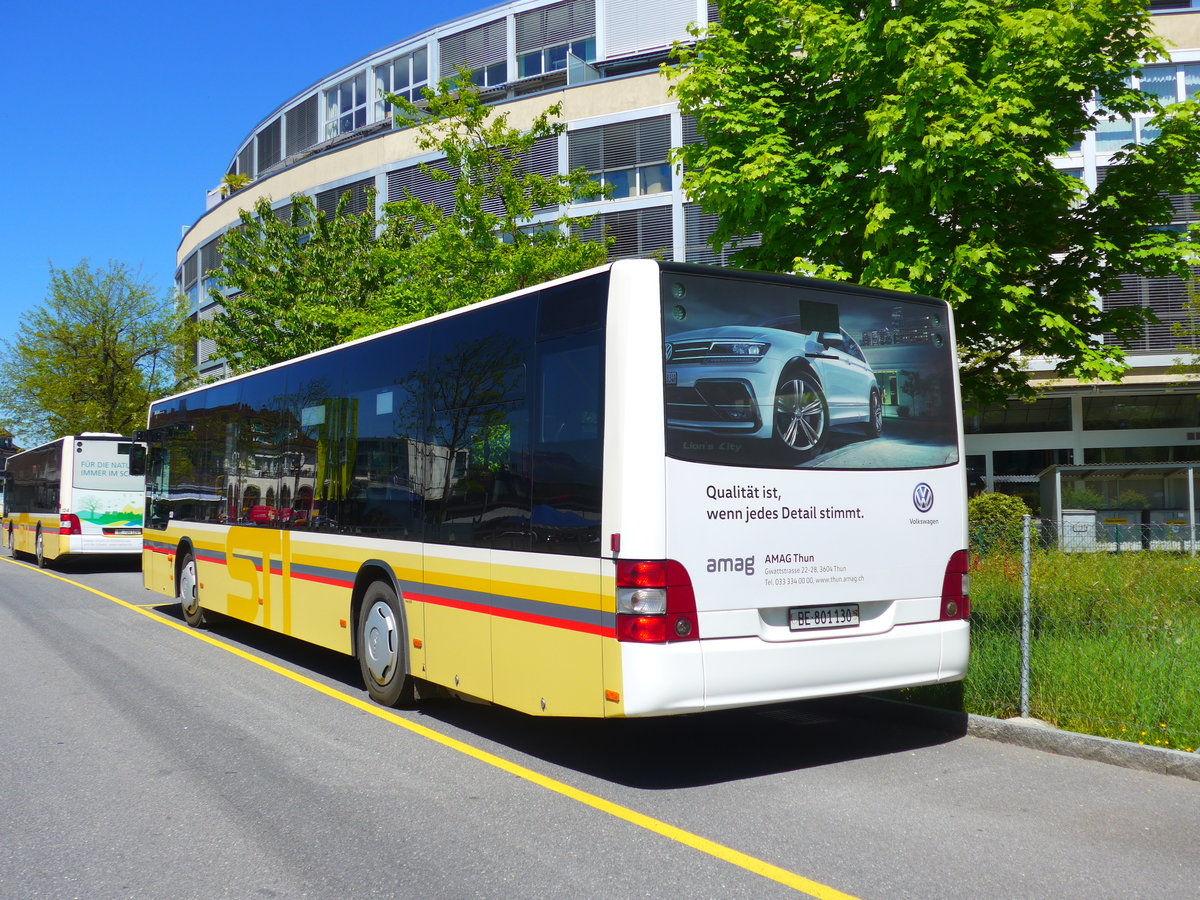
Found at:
(90, 544)
(725, 673)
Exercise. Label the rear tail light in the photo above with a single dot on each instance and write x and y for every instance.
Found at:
(655, 602)
(69, 524)
(956, 587)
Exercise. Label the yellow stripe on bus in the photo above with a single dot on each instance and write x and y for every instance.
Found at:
(671, 832)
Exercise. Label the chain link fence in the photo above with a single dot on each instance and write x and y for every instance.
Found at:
(1090, 626)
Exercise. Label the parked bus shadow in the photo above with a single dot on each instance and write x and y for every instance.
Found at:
(707, 748)
(650, 754)
(94, 565)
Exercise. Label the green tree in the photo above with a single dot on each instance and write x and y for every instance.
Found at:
(310, 281)
(299, 283)
(908, 144)
(94, 354)
(487, 244)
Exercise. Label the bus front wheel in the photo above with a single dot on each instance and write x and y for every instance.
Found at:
(382, 655)
(189, 593)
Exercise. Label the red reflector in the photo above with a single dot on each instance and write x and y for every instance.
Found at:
(642, 629)
(956, 600)
(69, 524)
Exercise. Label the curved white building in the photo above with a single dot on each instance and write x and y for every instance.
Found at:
(600, 59)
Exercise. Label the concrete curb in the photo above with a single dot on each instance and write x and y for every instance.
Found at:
(1037, 735)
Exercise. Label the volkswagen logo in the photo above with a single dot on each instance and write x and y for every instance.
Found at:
(923, 497)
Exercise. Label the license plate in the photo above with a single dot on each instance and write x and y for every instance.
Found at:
(809, 618)
(126, 531)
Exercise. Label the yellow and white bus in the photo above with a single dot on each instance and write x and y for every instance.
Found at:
(73, 496)
(649, 488)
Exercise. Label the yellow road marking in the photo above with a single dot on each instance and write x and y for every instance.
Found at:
(687, 838)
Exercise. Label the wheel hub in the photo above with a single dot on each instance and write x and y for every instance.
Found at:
(187, 587)
(380, 641)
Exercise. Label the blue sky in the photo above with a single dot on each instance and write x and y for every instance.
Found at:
(123, 115)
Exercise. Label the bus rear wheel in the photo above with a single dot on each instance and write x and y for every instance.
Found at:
(189, 592)
(382, 655)
(39, 550)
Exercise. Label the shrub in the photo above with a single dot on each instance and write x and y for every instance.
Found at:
(1082, 498)
(996, 521)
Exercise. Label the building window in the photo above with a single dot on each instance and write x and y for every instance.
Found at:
(346, 106)
(482, 52)
(552, 59)
(1160, 82)
(1190, 76)
(211, 262)
(635, 232)
(1140, 411)
(327, 201)
(630, 158)
(699, 226)
(1018, 417)
(546, 36)
(1097, 456)
(1168, 84)
(411, 181)
(269, 146)
(1170, 299)
(300, 125)
(189, 280)
(404, 76)
(245, 160)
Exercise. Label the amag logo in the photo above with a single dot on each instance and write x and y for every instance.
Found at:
(743, 564)
(923, 497)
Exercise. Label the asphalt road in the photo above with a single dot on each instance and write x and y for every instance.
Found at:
(140, 762)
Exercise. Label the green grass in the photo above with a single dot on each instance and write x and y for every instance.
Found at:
(1114, 644)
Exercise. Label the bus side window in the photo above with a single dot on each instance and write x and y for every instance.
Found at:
(568, 445)
(477, 440)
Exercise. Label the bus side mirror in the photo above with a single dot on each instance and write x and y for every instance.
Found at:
(137, 459)
(6, 477)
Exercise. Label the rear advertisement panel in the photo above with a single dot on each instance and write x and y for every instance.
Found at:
(814, 444)
(105, 497)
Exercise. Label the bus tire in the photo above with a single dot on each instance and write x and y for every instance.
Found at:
(189, 592)
(382, 655)
(801, 415)
(39, 550)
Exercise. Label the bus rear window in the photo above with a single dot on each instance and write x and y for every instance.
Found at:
(103, 466)
(799, 374)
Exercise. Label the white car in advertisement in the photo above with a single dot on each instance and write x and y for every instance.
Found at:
(775, 381)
